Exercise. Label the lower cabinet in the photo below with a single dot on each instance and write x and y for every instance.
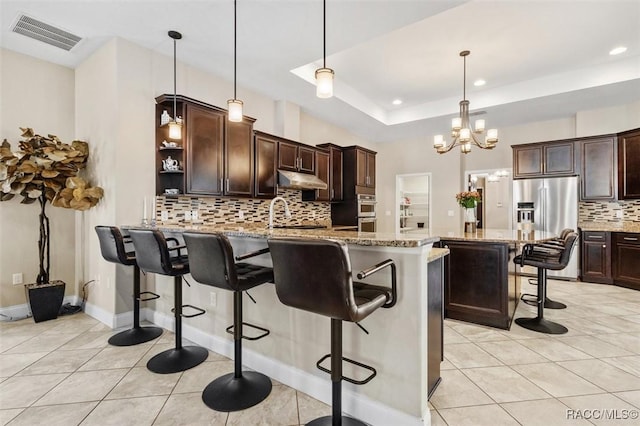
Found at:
(626, 259)
(596, 257)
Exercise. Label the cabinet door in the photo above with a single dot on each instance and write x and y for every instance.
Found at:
(361, 168)
(596, 257)
(266, 167)
(597, 174)
(527, 161)
(287, 156)
(322, 168)
(336, 174)
(626, 268)
(205, 131)
(558, 159)
(371, 170)
(307, 162)
(238, 159)
(629, 166)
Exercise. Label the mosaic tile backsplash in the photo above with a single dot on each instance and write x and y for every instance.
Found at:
(594, 211)
(213, 210)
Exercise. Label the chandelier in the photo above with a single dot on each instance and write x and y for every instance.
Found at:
(461, 133)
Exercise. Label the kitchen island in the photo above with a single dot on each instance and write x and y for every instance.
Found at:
(397, 346)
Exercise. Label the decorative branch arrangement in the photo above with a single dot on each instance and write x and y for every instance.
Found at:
(46, 169)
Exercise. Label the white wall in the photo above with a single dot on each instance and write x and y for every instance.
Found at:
(35, 94)
(608, 120)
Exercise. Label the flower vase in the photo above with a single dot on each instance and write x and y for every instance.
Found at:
(469, 219)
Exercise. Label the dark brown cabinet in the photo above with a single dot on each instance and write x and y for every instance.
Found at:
(266, 165)
(629, 165)
(238, 158)
(323, 171)
(598, 169)
(359, 171)
(296, 157)
(334, 182)
(626, 256)
(546, 159)
(168, 149)
(204, 130)
(596, 257)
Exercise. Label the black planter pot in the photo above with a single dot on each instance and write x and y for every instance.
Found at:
(45, 300)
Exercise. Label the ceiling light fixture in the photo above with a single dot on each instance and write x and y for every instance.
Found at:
(234, 105)
(618, 50)
(175, 125)
(324, 75)
(479, 82)
(397, 102)
(461, 132)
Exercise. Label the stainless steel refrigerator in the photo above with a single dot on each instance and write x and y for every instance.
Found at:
(554, 203)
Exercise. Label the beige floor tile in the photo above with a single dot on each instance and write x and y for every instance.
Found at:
(187, 409)
(8, 341)
(628, 341)
(469, 355)
(483, 415)
(55, 415)
(88, 340)
(614, 309)
(456, 390)
(11, 364)
(478, 333)
(585, 326)
(197, 378)
(60, 362)
(554, 350)
(72, 326)
(630, 364)
(82, 386)
(116, 357)
(503, 384)
(604, 375)
(511, 352)
(621, 324)
(556, 380)
(436, 419)
(446, 365)
(278, 409)
(595, 347)
(632, 397)
(100, 327)
(153, 351)
(141, 382)
(544, 412)
(452, 336)
(42, 343)
(7, 415)
(519, 333)
(19, 392)
(118, 412)
(310, 408)
(594, 406)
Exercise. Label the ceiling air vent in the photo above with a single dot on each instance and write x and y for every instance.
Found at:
(44, 32)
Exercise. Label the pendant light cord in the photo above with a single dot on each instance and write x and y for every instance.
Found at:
(235, 43)
(175, 109)
(324, 33)
(464, 78)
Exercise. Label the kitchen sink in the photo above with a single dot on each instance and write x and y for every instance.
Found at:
(299, 227)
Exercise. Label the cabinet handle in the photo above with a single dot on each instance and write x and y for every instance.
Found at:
(227, 190)
(332, 193)
(221, 185)
(630, 239)
(596, 237)
(604, 246)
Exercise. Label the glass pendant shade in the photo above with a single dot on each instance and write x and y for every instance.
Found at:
(456, 123)
(480, 125)
(492, 135)
(324, 82)
(465, 134)
(438, 141)
(175, 130)
(235, 110)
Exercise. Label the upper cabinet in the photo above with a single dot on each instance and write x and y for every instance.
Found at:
(359, 171)
(296, 157)
(629, 165)
(335, 173)
(204, 132)
(170, 153)
(238, 158)
(266, 165)
(598, 169)
(547, 159)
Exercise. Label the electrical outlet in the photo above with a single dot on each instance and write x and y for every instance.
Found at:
(164, 215)
(213, 298)
(187, 215)
(240, 214)
(450, 213)
(194, 215)
(17, 278)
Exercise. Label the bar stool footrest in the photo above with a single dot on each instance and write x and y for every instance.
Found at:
(154, 296)
(199, 311)
(350, 361)
(532, 300)
(246, 324)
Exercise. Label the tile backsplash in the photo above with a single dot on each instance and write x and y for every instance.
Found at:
(214, 210)
(615, 211)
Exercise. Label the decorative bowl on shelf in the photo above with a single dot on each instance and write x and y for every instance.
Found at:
(171, 191)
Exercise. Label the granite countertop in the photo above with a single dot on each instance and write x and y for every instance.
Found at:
(633, 227)
(251, 230)
(436, 253)
(494, 235)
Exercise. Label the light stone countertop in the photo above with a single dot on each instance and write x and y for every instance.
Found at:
(633, 227)
(437, 253)
(494, 235)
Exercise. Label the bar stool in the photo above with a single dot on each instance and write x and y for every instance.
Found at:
(112, 246)
(315, 276)
(154, 255)
(211, 262)
(556, 260)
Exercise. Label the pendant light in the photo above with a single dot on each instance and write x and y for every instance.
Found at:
(234, 105)
(324, 75)
(175, 126)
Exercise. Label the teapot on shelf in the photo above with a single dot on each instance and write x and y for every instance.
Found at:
(170, 164)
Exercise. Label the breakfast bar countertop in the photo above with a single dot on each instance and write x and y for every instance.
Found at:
(632, 227)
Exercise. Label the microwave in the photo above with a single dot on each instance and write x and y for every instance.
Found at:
(366, 205)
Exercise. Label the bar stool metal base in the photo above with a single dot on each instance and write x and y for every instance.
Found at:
(541, 325)
(328, 421)
(229, 393)
(177, 359)
(135, 336)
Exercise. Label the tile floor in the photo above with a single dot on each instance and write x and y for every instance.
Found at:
(63, 372)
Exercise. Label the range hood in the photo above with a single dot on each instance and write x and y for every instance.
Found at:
(295, 180)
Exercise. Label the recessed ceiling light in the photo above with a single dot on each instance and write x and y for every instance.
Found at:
(397, 101)
(479, 82)
(618, 50)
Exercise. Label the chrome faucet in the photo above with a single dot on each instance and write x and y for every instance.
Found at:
(287, 212)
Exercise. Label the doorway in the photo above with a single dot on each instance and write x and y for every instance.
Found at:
(494, 186)
(413, 202)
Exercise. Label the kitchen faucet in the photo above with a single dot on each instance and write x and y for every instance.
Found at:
(287, 213)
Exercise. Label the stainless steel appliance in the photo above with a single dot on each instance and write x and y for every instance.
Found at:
(548, 205)
(366, 224)
(366, 205)
(359, 211)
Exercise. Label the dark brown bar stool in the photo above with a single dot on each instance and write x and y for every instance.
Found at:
(315, 276)
(211, 262)
(155, 255)
(112, 246)
(543, 259)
